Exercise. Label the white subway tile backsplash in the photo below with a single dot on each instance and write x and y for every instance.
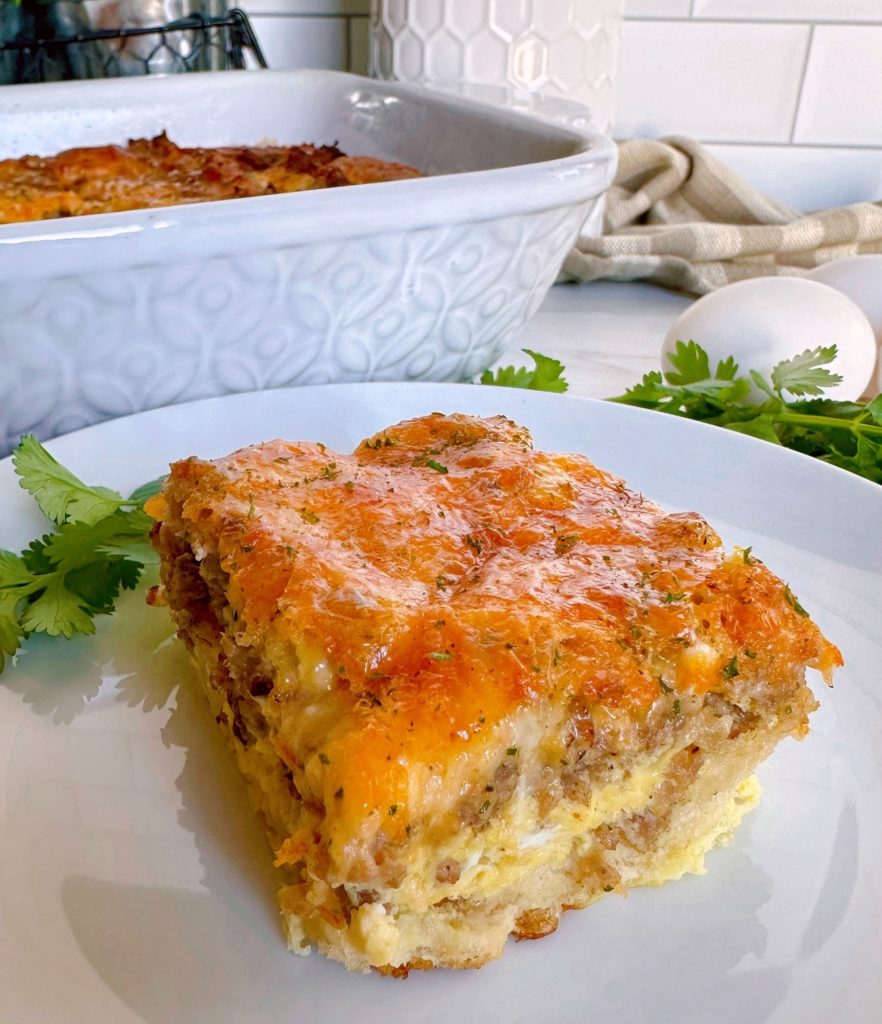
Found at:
(728, 72)
(303, 42)
(808, 177)
(841, 101)
(359, 45)
(657, 8)
(790, 10)
(719, 82)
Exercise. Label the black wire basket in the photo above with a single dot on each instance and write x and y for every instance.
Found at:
(194, 43)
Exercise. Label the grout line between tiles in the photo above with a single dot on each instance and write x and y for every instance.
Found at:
(307, 17)
(704, 20)
(347, 62)
(844, 147)
(805, 64)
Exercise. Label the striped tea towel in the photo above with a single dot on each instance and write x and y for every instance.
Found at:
(677, 216)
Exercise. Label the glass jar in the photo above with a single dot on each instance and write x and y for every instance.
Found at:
(528, 48)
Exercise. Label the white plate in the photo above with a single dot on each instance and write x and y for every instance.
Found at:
(134, 880)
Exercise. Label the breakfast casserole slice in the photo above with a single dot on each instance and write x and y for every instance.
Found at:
(473, 685)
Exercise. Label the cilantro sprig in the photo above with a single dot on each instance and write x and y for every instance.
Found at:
(787, 407)
(845, 434)
(547, 374)
(98, 547)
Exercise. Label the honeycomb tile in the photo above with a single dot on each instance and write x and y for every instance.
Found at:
(563, 48)
(445, 57)
(510, 18)
(425, 19)
(486, 50)
(466, 20)
(550, 20)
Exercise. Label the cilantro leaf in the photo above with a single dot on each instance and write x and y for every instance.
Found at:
(130, 572)
(690, 363)
(650, 390)
(806, 373)
(147, 491)
(57, 611)
(61, 581)
(691, 367)
(59, 493)
(79, 543)
(727, 369)
(874, 410)
(34, 556)
(99, 585)
(546, 375)
(138, 551)
(762, 426)
(760, 381)
(11, 633)
(845, 434)
(702, 398)
(13, 570)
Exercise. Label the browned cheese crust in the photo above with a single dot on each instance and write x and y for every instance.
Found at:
(156, 172)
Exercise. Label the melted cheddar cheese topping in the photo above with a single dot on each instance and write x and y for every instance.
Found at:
(446, 599)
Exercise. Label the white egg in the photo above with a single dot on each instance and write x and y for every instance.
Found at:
(764, 320)
(860, 278)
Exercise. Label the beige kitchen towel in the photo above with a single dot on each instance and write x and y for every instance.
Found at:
(679, 217)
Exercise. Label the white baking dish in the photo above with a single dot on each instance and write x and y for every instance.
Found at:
(422, 279)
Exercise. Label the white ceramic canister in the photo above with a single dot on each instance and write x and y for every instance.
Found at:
(548, 48)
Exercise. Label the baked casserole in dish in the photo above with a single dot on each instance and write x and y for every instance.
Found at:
(155, 172)
(428, 278)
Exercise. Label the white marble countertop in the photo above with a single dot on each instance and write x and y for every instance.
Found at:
(607, 335)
